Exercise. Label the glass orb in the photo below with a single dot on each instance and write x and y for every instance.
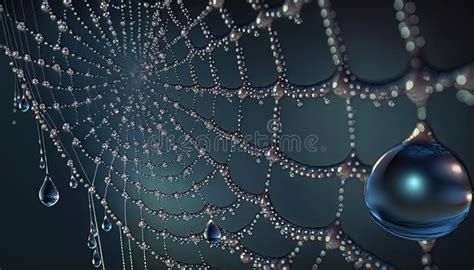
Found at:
(419, 190)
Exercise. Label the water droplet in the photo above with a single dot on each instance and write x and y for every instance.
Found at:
(42, 164)
(427, 245)
(212, 233)
(24, 105)
(73, 182)
(48, 193)
(419, 190)
(91, 241)
(94, 230)
(106, 225)
(96, 260)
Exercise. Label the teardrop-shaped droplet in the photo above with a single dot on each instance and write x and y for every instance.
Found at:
(96, 260)
(419, 190)
(106, 224)
(91, 241)
(73, 182)
(48, 193)
(212, 233)
(24, 105)
(42, 164)
(94, 230)
(427, 245)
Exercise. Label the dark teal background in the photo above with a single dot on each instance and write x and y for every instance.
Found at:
(34, 237)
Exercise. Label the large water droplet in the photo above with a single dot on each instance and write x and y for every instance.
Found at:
(106, 225)
(96, 260)
(91, 241)
(24, 105)
(48, 193)
(419, 190)
(212, 233)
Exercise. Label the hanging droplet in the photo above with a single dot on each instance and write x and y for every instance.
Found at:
(427, 245)
(96, 260)
(94, 230)
(24, 105)
(212, 233)
(73, 182)
(106, 224)
(42, 164)
(48, 193)
(91, 241)
(419, 190)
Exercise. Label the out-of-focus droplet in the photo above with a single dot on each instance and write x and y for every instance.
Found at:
(106, 224)
(42, 164)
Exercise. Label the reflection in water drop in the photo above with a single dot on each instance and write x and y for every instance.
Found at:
(94, 230)
(73, 182)
(106, 224)
(419, 190)
(48, 193)
(91, 242)
(24, 105)
(212, 233)
(96, 260)
(42, 164)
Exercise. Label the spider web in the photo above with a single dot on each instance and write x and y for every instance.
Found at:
(115, 85)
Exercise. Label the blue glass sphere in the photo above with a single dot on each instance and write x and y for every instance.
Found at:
(419, 190)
